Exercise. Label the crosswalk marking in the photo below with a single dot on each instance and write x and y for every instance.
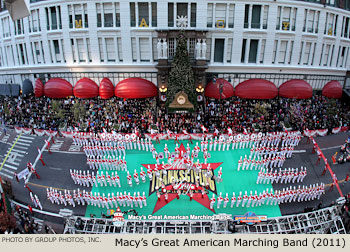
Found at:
(19, 151)
(28, 137)
(22, 147)
(24, 140)
(5, 175)
(25, 144)
(10, 166)
(14, 155)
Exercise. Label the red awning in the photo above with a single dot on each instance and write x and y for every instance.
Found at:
(58, 88)
(85, 88)
(132, 88)
(256, 89)
(39, 88)
(106, 89)
(298, 89)
(212, 90)
(332, 89)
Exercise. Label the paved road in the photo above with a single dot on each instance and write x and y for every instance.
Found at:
(65, 155)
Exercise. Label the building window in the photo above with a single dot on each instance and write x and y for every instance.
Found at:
(311, 20)
(244, 44)
(154, 14)
(6, 27)
(326, 53)
(108, 14)
(38, 52)
(222, 17)
(219, 50)
(18, 24)
(110, 47)
(141, 13)
(282, 52)
(55, 51)
(345, 30)
(253, 50)
(34, 21)
(53, 18)
(78, 17)
(182, 9)
(101, 49)
(145, 50)
(286, 17)
(256, 16)
(22, 54)
(171, 48)
(331, 24)
(81, 51)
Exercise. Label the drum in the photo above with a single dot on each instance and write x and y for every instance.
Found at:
(195, 155)
(173, 155)
(239, 137)
(231, 138)
(209, 155)
(120, 137)
(127, 137)
(161, 155)
(133, 136)
(222, 138)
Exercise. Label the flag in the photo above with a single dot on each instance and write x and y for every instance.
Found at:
(39, 150)
(185, 132)
(245, 132)
(76, 129)
(204, 129)
(169, 132)
(104, 130)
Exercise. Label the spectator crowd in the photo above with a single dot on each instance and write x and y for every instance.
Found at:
(125, 116)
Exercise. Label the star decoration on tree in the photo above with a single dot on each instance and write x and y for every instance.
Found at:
(181, 21)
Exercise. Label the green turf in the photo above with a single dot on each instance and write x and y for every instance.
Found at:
(233, 181)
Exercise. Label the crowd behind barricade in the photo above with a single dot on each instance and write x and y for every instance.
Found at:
(95, 115)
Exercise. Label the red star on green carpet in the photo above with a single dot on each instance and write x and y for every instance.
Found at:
(179, 164)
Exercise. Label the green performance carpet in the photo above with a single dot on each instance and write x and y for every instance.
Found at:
(233, 181)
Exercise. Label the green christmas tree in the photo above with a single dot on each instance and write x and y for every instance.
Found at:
(181, 76)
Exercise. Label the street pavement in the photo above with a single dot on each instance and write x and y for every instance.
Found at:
(65, 156)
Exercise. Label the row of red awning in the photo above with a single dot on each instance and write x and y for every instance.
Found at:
(133, 88)
(130, 88)
(264, 89)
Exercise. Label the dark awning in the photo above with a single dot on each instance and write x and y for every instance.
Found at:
(9, 89)
(27, 87)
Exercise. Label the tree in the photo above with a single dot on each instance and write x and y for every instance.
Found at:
(181, 76)
(6, 221)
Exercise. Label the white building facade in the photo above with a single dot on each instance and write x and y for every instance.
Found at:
(281, 37)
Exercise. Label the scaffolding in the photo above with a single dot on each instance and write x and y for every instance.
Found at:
(322, 221)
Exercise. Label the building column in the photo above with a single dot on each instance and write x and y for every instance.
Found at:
(151, 48)
(189, 14)
(277, 51)
(137, 14)
(250, 16)
(53, 53)
(261, 16)
(258, 51)
(76, 51)
(102, 15)
(138, 52)
(306, 19)
(49, 24)
(86, 50)
(214, 15)
(311, 54)
(227, 15)
(104, 49)
(247, 47)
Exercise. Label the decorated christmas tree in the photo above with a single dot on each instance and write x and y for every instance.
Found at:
(181, 75)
